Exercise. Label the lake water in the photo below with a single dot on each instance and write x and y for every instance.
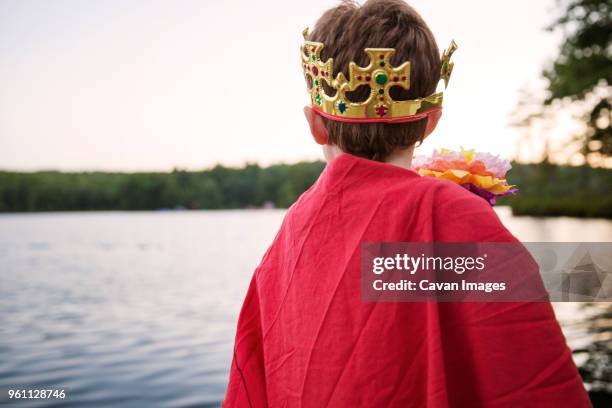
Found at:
(139, 308)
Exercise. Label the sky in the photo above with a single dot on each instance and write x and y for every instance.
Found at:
(155, 85)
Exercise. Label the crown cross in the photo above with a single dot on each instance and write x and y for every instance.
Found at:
(318, 71)
(380, 76)
(447, 67)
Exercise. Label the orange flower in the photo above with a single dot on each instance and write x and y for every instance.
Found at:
(475, 167)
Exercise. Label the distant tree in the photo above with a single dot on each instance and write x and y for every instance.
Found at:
(582, 72)
(583, 68)
(579, 81)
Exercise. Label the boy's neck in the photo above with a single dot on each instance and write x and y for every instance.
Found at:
(399, 157)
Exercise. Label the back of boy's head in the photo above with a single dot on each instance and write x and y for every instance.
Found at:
(346, 30)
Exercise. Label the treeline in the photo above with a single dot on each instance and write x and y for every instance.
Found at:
(216, 188)
(546, 190)
(551, 190)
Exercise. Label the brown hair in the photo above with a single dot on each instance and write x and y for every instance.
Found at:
(346, 30)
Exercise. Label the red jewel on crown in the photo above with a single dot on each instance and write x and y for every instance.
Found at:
(381, 110)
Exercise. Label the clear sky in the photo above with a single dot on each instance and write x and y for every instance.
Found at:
(157, 84)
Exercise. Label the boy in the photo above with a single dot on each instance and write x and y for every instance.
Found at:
(305, 338)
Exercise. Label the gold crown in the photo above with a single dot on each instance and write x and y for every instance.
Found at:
(380, 75)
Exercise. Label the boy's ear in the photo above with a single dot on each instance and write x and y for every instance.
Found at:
(317, 127)
(432, 122)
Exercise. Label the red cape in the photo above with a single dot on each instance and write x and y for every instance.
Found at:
(305, 338)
